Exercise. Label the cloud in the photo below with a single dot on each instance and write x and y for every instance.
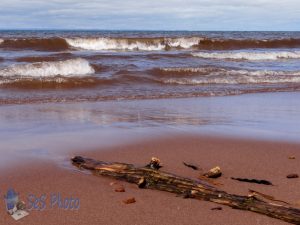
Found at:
(145, 14)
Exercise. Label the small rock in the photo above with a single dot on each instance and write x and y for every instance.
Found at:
(129, 201)
(292, 175)
(154, 163)
(292, 157)
(213, 173)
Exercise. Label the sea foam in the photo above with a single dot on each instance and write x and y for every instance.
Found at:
(238, 77)
(132, 44)
(238, 55)
(68, 68)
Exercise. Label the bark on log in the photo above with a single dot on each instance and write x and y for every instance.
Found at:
(154, 179)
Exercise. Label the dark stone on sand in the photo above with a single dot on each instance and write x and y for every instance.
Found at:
(292, 175)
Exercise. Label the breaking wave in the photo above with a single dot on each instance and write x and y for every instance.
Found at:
(223, 76)
(249, 55)
(68, 68)
(143, 44)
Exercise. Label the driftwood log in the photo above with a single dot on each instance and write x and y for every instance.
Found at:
(147, 177)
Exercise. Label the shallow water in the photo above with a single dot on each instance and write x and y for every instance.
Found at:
(51, 130)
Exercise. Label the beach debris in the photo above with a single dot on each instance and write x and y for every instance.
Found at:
(292, 175)
(154, 163)
(129, 200)
(292, 157)
(191, 166)
(217, 208)
(120, 188)
(213, 173)
(197, 189)
(265, 182)
(257, 194)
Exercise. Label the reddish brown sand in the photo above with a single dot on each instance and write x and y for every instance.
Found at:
(100, 204)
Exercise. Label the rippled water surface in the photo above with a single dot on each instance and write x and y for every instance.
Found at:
(76, 66)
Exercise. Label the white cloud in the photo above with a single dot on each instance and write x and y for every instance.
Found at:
(163, 14)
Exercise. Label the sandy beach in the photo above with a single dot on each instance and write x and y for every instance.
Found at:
(100, 204)
(187, 84)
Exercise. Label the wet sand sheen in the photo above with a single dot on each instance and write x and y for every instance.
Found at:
(101, 205)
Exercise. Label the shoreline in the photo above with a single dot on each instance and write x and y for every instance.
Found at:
(100, 204)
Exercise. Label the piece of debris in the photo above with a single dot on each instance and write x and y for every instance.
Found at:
(292, 175)
(112, 183)
(129, 200)
(217, 208)
(265, 182)
(213, 173)
(253, 193)
(120, 189)
(190, 166)
(292, 157)
(154, 163)
(14, 206)
(168, 182)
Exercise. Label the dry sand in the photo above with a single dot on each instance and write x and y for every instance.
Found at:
(99, 204)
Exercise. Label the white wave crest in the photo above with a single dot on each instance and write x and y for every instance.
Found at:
(249, 55)
(155, 44)
(239, 77)
(186, 69)
(183, 42)
(68, 68)
(113, 44)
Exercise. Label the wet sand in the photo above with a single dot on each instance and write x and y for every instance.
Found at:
(100, 204)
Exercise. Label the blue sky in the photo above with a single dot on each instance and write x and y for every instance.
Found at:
(151, 15)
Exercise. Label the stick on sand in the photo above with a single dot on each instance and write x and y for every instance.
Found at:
(147, 177)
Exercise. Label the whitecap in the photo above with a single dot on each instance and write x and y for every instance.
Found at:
(68, 68)
(240, 55)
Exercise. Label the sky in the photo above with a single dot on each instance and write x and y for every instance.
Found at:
(276, 15)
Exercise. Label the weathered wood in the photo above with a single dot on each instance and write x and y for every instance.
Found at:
(146, 177)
